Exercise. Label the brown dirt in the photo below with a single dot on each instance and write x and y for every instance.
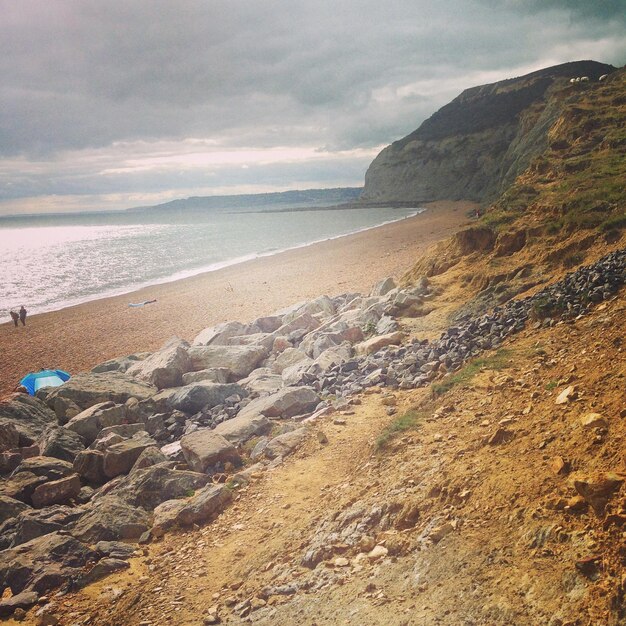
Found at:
(512, 551)
(77, 338)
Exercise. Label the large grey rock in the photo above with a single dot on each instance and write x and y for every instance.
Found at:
(213, 375)
(120, 364)
(268, 324)
(243, 427)
(85, 390)
(238, 360)
(305, 322)
(202, 506)
(10, 507)
(287, 358)
(56, 491)
(333, 356)
(262, 381)
(29, 415)
(204, 448)
(164, 368)
(195, 397)
(149, 457)
(370, 346)
(43, 563)
(383, 287)
(285, 444)
(321, 306)
(120, 457)
(110, 518)
(285, 403)
(147, 488)
(47, 466)
(219, 334)
(60, 443)
(293, 374)
(29, 523)
(114, 434)
(89, 465)
(23, 601)
(9, 436)
(21, 486)
(91, 421)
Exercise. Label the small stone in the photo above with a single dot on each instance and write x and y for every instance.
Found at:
(341, 561)
(378, 552)
(339, 421)
(598, 492)
(440, 532)
(568, 394)
(321, 437)
(558, 465)
(593, 420)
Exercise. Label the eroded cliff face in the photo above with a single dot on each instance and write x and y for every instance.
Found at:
(475, 146)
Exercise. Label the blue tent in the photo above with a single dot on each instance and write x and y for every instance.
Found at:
(44, 378)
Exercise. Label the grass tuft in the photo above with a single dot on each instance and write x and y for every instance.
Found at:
(498, 361)
(407, 421)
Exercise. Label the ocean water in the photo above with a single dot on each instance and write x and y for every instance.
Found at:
(50, 262)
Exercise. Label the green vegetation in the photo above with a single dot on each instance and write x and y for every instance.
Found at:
(498, 361)
(407, 421)
(617, 222)
(551, 385)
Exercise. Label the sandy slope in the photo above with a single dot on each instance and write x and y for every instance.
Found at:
(77, 338)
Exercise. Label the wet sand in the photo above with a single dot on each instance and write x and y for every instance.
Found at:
(79, 337)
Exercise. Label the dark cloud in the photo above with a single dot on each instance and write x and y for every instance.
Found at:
(83, 75)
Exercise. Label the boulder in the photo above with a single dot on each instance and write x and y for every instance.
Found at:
(85, 390)
(29, 415)
(370, 346)
(287, 358)
(383, 287)
(10, 507)
(56, 491)
(23, 601)
(305, 322)
(219, 335)
(268, 324)
(212, 374)
(201, 507)
(9, 437)
(285, 403)
(21, 486)
(204, 448)
(293, 374)
(114, 434)
(148, 487)
(149, 457)
(47, 466)
(120, 457)
(120, 364)
(173, 451)
(262, 381)
(197, 396)
(91, 421)
(331, 357)
(60, 443)
(89, 465)
(101, 569)
(285, 444)
(109, 519)
(243, 427)
(44, 563)
(164, 368)
(238, 360)
(321, 306)
(32, 523)
(597, 492)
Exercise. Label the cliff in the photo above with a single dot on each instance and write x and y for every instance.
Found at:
(474, 147)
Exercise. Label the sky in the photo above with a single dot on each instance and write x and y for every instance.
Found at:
(108, 105)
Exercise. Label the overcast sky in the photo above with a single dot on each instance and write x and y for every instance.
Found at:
(111, 104)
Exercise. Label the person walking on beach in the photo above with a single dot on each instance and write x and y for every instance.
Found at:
(15, 317)
(22, 316)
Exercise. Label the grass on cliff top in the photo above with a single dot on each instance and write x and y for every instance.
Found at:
(498, 361)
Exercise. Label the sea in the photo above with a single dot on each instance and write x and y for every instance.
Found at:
(48, 262)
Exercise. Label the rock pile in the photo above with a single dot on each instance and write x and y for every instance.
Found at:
(145, 442)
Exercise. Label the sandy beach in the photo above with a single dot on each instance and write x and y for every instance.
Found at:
(79, 337)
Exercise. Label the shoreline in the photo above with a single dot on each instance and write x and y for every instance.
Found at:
(215, 267)
(78, 337)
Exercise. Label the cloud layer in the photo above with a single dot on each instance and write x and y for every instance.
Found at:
(114, 101)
